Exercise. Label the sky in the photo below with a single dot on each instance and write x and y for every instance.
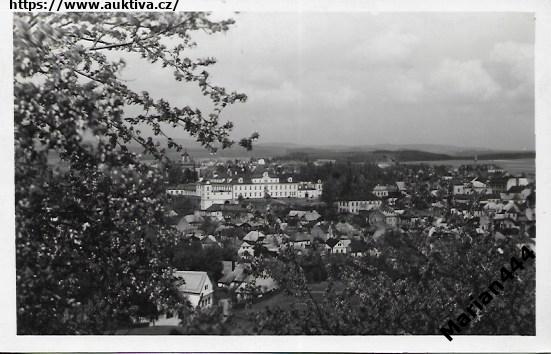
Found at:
(462, 79)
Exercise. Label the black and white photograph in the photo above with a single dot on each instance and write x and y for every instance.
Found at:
(274, 173)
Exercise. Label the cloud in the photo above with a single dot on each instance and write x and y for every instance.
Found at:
(357, 77)
(406, 88)
(264, 77)
(389, 47)
(518, 56)
(456, 79)
(339, 97)
(286, 93)
(516, 60)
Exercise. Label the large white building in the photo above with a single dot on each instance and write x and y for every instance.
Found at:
(230, 190)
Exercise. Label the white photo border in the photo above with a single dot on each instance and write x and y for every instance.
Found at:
(541, 9)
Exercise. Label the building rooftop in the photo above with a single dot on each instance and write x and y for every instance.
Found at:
(194, 281)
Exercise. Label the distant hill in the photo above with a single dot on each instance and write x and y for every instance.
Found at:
(360, 153)
(398, 155)
(364, 156)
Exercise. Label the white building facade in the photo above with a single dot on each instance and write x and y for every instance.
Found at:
(355, 206)
(188, 190)
(230, 190)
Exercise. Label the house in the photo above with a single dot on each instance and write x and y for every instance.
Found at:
(246, 249)
(311, 216)
(357, 203)
(345, 228)
(495, 170)
(296, 213)
(401, 186)
(254, 236)
(505, 223)
(310, 190)
(375, 217)
(391, 217)
(392, 197)
(382, 191)
(273, 242)
(233, 275)
(196, 287)
(385, 215)
(307, 216)
(520, 193)
(490, 198)
(239, 278)
(340, 247)
(358, 248)
(516, 182)
(228, 212)
(255, 287)
(189, 223)
(210, 241)
(330, 244)
(459, 189)
(300, 240)
(479, 187)
(492, 207)
(511, 210)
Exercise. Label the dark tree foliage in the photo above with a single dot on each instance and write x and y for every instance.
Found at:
(183, 205)
(313, 267)
(91, 245)
(209, 226)
(347, 180)
(192, 256)
(190, 176)
(175, 174)
(408, 284)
